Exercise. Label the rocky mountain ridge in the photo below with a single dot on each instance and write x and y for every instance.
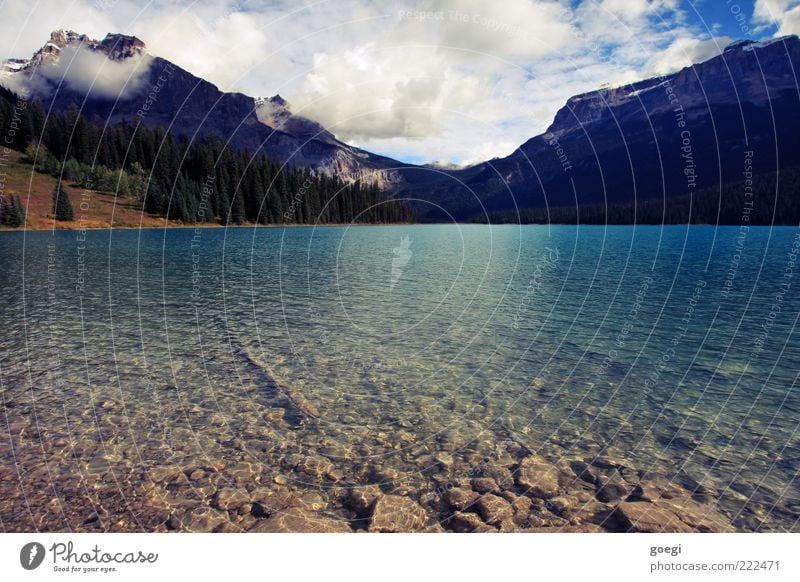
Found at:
(168, 96)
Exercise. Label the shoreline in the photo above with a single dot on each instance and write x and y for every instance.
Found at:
(358, 224)
(198, 226)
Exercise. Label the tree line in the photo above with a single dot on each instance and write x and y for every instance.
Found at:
(202, 181)
(775, 200)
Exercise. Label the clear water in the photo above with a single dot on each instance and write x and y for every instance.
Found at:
(673, 348)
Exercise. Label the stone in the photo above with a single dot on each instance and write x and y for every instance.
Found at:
(228, 527)
(361, 499)
(393, 513)
(274, 414)
(313, 500)
(641, 516)
(611, 489)
(700, 517)
(538, 478)
(445, 460)
(196, 475)
(508, 526)
(466, 523)
(316, 466)
(240, 472)
(163, 473)
(461, 499)
(522, 507)
(654, 489)
(559, 504)
(230, 498)
(501, 475)
(609, 462)
(200, 520)
(494, 509)
(584, 471)
(297, 520)
(580, 528)
(484, 485)
(267, 502)
(593, 511)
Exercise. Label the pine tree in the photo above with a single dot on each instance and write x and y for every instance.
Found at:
(16, 215)
(62, 207)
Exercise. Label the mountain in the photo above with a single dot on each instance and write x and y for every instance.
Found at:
(658, 139)
(117, 80)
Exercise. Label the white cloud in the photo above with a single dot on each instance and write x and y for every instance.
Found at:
(516, 28)
(219, 45)
(91, 72)
(25, 26)
(686, 51)
(785, 14)
(85, 71)
(771, 10)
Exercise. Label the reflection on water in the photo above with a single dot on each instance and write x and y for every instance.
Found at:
(210, 379)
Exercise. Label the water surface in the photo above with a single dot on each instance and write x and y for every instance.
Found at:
(423, 348)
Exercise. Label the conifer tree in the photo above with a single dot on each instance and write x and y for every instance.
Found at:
(62, 207)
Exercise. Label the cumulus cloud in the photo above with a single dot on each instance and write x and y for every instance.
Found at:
(25, 26)
(785, 14)
(516, 28)
(686, 51)
(771, 10)
(221, 46)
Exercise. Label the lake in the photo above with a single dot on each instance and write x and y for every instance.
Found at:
(200, 379)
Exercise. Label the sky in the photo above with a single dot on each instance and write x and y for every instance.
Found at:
(429, 81)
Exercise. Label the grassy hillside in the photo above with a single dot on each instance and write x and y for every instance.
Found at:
(92, 208)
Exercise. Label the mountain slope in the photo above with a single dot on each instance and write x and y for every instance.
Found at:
(161, 94)
(656, 139)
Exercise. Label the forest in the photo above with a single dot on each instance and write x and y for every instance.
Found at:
(773, 199)
(203, 181)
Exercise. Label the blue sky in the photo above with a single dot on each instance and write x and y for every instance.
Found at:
(428, 81)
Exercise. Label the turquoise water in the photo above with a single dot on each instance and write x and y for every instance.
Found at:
(673, 348)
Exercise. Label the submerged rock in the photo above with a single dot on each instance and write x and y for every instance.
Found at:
(267, 502)
(467, 523)
(297, 520)
(316, 467)
(611, 489)
(641, 516)
(361, 499)
(539, 479)
(494, 509)
(164, 473)
(229, 498)
(584, 471)
(461, 499)
(580, 528)
(200, 520)
(484, 485)
(393, 513)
